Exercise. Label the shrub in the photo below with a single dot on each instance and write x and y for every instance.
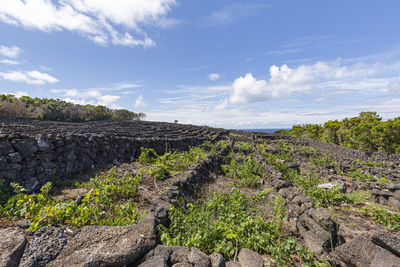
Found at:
(223, 224)
(382, 216)
(110, 201)
(248, 171)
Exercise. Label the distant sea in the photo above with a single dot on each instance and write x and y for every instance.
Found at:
(269, 130)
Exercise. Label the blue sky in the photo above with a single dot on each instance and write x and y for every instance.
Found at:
(232, 64)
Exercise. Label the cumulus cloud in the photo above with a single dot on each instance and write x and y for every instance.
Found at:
(213, 76)
(31, 77)
(9, 62)
(320, 76)
(98, 20)
(140, 102)
(88, 96)
(10, 52)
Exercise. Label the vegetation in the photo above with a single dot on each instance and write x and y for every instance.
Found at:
(58, 110)
(109, 201)
(382, 216)
(308, 183)
(366, 132)
(223, 223)
(248, 171)
(359, 175)
(170, 163)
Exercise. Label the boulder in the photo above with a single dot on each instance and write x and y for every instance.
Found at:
(385, 259)
(289, 193)
(316, 239)
(233, 264)
(387, 240)
(12, 245)
(358, 252)
(5, 148)
(109, 245)
(26, 147)
(329, 186)
(250, 258)
(217, 260)
(180, 254)
(45, 246)
(198, 259)
(156, 261)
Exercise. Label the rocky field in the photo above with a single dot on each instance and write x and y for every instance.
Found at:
(181, 195)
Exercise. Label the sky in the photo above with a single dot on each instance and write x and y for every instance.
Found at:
(230, 64)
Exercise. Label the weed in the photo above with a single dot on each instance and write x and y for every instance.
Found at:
(322, 161)
(248, 171)
(359, 175)
(308, 183)
(244, 146)
(222, 223)
(382, 216)
(110, 201)
(372, 163)
(284, 146)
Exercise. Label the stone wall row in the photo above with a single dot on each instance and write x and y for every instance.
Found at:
(33, 161)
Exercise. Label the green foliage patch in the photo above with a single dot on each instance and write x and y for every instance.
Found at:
(308, 183)
(162, 166)
(367, 131)
(359, 175)
(58, 110)
(248, 171)
(110, 201)
(323, 161)
(222, 223)
(382, 216)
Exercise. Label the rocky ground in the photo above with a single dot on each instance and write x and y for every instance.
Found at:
(341, 204)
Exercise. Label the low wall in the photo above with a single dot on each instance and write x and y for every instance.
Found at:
(31, 161)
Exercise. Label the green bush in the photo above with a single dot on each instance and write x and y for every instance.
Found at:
(382, 216)
(248, 171)
(359, 175)
(171, 163)
(58, 110)
(223, 224)
(110, 201)
(308, 183)
(366, 132)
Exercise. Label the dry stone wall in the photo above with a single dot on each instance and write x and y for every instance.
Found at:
(34, 151)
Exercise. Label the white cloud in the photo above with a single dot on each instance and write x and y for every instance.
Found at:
(308, 93)
(98, 20)
(213, 76)
(232, 13)
(17, 94)
(88, 96)
(11, 52)
(9, 62)
(330, 77)
(108, 100)
(140, 102)
(30, 77)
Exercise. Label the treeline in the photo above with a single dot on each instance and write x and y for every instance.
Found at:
(58, 110)
(365, 132)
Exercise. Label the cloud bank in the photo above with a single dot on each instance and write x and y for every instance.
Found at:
(31, 77)
(322, 76)
(98, 20)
